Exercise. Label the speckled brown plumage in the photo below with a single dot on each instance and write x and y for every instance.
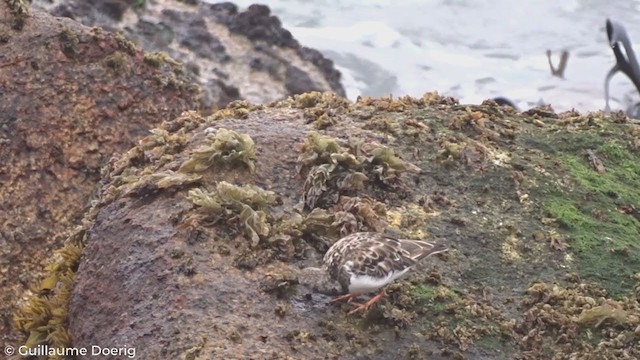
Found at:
(364, 262)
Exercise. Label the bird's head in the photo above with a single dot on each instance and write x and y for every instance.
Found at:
(616, 33)
(318, 280)
(610, 32)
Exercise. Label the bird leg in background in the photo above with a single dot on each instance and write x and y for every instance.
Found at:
(559, 71)
(607, 79)
(364, 307)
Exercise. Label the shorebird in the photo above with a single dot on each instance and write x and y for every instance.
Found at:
(364, 262)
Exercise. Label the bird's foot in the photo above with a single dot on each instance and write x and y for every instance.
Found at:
(365, 307)
(347, 298)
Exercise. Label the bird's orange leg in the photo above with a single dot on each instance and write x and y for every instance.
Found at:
(364, 307)
(348, 298)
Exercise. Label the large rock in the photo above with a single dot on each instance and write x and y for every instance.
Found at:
(232, 54)
(71, 97)
(191, 249)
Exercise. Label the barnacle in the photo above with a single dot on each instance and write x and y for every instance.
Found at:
(255, 222)
(318, 148)
(599, 314)
(224, 147)
(316, 184)
(151, 183)
(387, 157)
(251, 195)
(241, 200)
(205, 199)
(44, 315)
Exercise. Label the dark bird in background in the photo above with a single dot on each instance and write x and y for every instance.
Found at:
(503, 101)
(628, 64)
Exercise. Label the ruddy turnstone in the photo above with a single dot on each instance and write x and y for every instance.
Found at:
(366, 261)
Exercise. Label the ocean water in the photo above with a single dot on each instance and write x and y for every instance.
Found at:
(469, 49)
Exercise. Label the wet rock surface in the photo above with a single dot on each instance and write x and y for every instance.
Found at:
(218, 43)
(71, 97)
(191, 246)
(195, 240)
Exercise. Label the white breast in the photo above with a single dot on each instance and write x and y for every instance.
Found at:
(364, 284)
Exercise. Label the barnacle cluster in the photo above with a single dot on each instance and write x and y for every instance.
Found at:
(579, 321)
(339, 167)
(239, 109)
(451, 317)
(69, 41)
(157, 58)
(321, 109)
(245, 203)
(224, 147)
(151, 183)
(44, 315)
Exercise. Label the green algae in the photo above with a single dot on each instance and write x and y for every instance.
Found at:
(603, 237)
(124, 44)
(116, 61)
(69, 42)
(225, 147)
(157, 58)
(152, 183)
(44, 315)
(240, 201)
(424, 292)
(20, 11)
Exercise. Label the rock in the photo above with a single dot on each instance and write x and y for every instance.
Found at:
(219, 306)
(71, 97)
(219, 44)
(192, 246)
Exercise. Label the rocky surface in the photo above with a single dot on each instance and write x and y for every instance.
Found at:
(192, 248)
(232, 54)
(71, 97)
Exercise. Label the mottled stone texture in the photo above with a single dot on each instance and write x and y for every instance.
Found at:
(71, 97)
(233, 54)
(176, 277)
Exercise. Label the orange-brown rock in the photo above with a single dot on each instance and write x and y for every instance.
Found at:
(71, 97)
(193, 251)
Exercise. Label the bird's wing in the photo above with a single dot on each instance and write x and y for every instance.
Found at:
(419, 249)
(378, 256)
